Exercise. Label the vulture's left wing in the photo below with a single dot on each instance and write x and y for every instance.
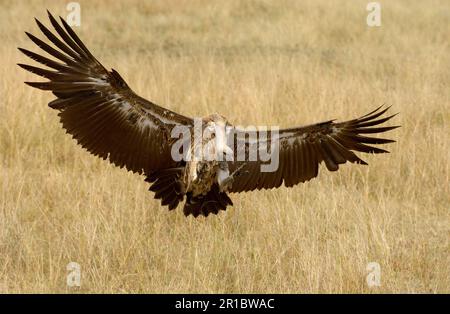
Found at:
(98, 108)
(302, 149)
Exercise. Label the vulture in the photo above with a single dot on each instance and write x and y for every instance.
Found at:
(198, 161)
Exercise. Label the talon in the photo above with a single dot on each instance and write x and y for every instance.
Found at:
(227, 183)
(238, 172)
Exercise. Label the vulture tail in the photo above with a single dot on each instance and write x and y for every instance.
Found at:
(212, 202)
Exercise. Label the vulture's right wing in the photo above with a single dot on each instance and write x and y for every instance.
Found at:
(99, 109)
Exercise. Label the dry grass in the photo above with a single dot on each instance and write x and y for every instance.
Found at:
(258, 62)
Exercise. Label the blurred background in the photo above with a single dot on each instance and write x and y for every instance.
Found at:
(256, 62)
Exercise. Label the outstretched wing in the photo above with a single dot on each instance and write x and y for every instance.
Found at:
(98, 108)
(302, 149)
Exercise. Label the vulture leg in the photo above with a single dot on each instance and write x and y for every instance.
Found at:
(227, 182)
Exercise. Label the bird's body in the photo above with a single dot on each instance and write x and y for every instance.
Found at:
(199, 176)
(203, 166)
(200, 173)
(107, 118)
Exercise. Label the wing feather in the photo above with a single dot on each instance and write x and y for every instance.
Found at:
(303, 149)
(97, 107)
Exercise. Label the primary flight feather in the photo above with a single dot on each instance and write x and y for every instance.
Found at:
(106, 117)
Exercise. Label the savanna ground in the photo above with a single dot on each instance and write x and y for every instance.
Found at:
(258, 62)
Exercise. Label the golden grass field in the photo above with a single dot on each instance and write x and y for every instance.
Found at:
(257, 62)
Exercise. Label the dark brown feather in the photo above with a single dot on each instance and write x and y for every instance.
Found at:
(98, 108)
(303, 149)
(212, 202)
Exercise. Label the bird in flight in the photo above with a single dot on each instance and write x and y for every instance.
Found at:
(103, 114)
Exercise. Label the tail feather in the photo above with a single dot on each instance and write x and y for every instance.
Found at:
(212, 202)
